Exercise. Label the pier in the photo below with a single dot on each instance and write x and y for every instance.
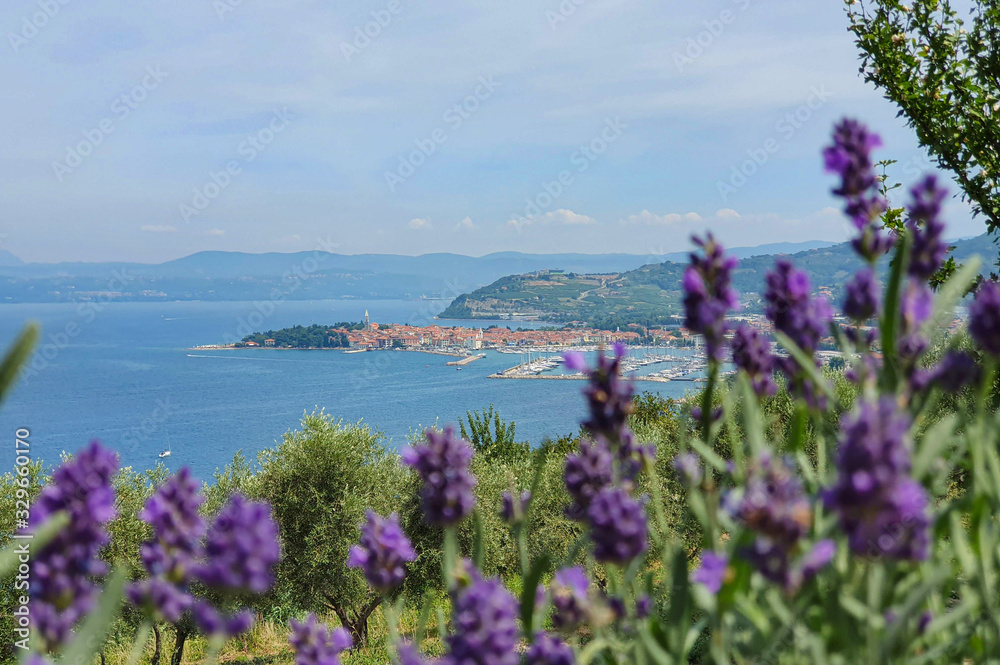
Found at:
(466, 360)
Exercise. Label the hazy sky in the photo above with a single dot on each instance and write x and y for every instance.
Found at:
(149, 130)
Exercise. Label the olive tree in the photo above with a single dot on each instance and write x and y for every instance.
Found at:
(943, 72)
(320, 480)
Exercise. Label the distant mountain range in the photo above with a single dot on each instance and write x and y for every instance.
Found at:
(8, 259)
(304, 275)
(651, 295)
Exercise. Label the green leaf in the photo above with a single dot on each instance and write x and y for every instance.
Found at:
(539, 567)
(94, 630)
(442, 626)
(752, 425)
(16, 356)
(933, 444)
(807, 363)
(424, 616)
(710, 455)
(592, 649)
(654, 648)
(679, 590)
(891, 313)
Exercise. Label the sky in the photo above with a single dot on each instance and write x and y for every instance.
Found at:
(146, 131)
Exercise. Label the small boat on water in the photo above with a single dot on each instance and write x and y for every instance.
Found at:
(166, 453)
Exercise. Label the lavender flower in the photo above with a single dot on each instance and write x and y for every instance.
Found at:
(709, 295)
(818, 557)
(382, 553)
(241, 548)
(773, 502)
(791, 307)
(159, 598)
(688, 466)
(172, 511)
(793, 311)
(643, 606)
(617, 526)
(634, 457)
(863, 300)
(775, 506)
(984, 317)
(924, 622)
(609, 397)
(752, 354)
(850, 158)
(549, 650)
(62, 587)
(214, 623)
(916, 307)
(408, 654)
(881, 509)
(170, 557)
(485, 624)
(587, 472)
(956, 370)
(712, 571)
(513, 511)
(570, 598)
(443, 465)
(926, 228)
(316, 644)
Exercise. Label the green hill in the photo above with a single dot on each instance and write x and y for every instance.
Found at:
(651, 295)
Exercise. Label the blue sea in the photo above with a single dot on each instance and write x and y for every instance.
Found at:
(125, 373)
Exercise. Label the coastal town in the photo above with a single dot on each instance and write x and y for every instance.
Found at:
(454, 340)
(368, 335)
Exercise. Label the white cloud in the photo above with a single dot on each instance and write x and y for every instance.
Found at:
(419, 224)
(648, 218)
(561, 216)
(158, 228)
(651, 219)
(465, 224)
(216, 233)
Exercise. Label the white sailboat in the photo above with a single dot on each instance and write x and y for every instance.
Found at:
(166, 453)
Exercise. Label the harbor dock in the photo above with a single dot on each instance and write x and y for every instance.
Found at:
(466, 360)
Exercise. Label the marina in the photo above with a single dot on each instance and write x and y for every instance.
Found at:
(685, 367)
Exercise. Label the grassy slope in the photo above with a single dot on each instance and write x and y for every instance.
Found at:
(651, 294)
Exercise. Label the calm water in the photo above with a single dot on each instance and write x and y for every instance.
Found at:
(126, 375)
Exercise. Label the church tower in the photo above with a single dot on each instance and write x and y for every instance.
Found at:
(368, 325)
